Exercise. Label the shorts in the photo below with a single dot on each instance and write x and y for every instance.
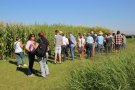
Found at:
(58, 50)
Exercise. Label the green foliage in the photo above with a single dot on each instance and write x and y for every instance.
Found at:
(111, 73)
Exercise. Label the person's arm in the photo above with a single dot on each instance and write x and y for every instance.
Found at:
(27, 46)
(35, 46)
(92, 40)
(67, 42)
(21, 45)
(61, 41)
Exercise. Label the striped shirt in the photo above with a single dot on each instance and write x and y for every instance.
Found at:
(118, 39)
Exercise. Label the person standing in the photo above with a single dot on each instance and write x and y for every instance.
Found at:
(100, 42)
(89, 42)
(81, 46)
(64, 45)
(41, 49)
(113, 42)
(19, 52)
(118, 41)
(58, 41)
(31, 53)
(108, 43)
(72, 42)
(123, 41)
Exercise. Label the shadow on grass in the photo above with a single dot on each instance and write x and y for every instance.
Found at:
(25, 70)
(13, 62)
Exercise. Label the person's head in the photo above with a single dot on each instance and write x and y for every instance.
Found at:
(70, 33)
(113, 34)
(100, 33)
(80, 36)
(123, 34)
(118, 32)
(89, 34)
(41, 34)
(17, 38)
(60, 32)
(92, 32)
(32, 37)
(56, 32)
(63, 34)
(108, 34)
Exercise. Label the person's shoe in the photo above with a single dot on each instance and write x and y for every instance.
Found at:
(31, 75)
(25, 65)
(54, 62)
(60, 62)
(18, 65)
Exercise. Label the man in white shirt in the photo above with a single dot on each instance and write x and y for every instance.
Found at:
(64, 45)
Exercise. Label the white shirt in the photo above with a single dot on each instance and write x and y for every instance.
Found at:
(17, 47)
(29, 45)
(81, 42)
(65, 41)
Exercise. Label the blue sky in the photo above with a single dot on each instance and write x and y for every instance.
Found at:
(113, 14)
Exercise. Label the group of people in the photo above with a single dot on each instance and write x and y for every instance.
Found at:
(32, 48)
(85, 43)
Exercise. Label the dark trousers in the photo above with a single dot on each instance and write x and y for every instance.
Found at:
(31, 57)
(64, 50)
(89, 50)
(108, 48)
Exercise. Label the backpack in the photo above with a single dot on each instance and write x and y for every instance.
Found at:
(41, 49)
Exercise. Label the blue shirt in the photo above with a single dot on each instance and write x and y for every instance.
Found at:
(100, 40)
(72, 38)
(90, 39)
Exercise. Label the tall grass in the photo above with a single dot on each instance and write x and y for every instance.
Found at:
(110, 73)
(9, 31)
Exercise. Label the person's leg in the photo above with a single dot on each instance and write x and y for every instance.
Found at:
(83, 52)
(88, 50)
(55, 58)
(59, 57)
(72, 52)
(107, 49)
(42, 68)
(99, 48)
(31, 62)
(91, 50)
(18, 59)
(22, 56)
(64, 52)
(59, 53)
(46, 67)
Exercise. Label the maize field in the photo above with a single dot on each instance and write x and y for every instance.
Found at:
(9, 31)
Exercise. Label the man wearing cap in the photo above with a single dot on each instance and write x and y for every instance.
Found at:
(89, 42)
(100, 41)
